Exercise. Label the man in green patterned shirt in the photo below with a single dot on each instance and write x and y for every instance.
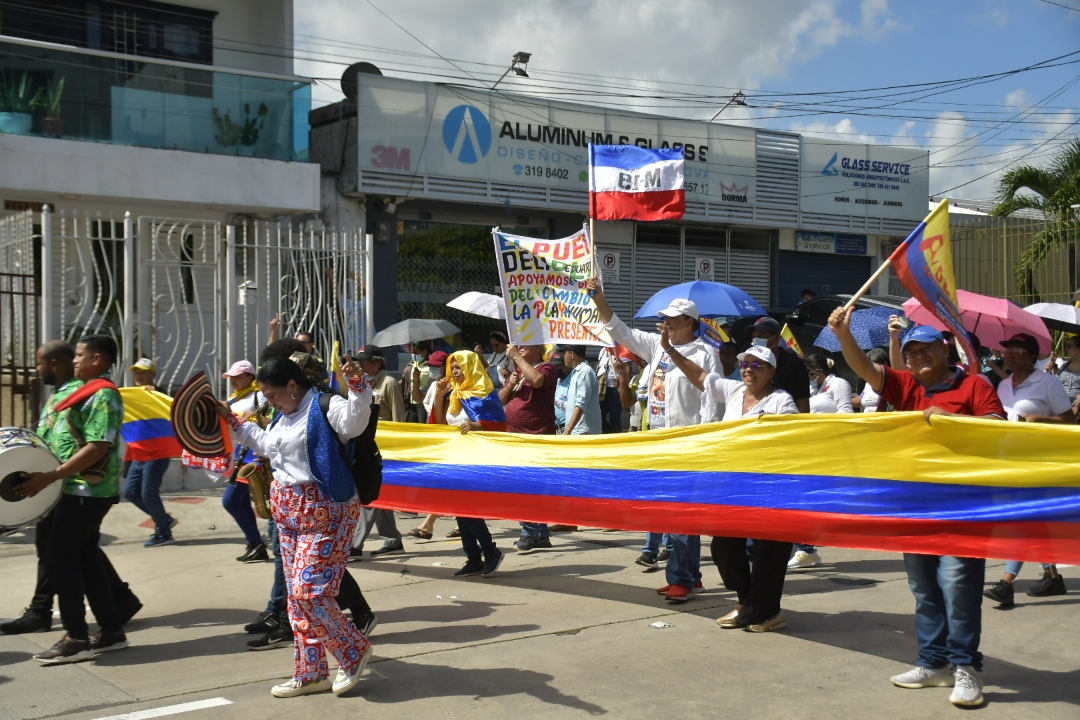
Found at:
(55, 367)
(84, 436)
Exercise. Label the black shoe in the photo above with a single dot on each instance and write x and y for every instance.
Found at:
(128, 608)
(365, 623)
(492, 563)
(1001, 593)
(31, 621)
(1048, 585)
(107, 642)
(647, 561)
(663, 556)
(529, 545)
(278, 637)
(67, 650)
(356, 554)
(392, 549)
(266, 622)
(255, 554)
(469, 569)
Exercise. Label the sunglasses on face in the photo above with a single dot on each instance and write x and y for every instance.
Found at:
(754, 365)
(1013, 350)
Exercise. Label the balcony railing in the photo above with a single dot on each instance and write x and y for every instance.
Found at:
(129, 100)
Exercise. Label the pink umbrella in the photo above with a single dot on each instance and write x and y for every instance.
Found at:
(992, 319)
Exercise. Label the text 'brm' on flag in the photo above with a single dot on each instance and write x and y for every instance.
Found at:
(627, 182)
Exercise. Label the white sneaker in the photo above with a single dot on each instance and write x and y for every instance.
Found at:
(803, 559)
(295, 688)
(920, 677)
(967, 691)
(346, 681)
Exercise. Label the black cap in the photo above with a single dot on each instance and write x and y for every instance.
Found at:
(370, 352)
(766, 324)
(1023, 340)
(500, 336)
(556, 357)
(578, 350)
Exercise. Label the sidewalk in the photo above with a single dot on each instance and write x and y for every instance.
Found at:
(562, 633)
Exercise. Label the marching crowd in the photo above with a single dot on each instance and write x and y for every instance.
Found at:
(284, 411)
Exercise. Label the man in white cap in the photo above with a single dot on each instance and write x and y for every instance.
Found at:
(673, 402)
(142, 483)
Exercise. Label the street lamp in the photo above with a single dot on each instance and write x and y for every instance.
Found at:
(520, 58)
(738, 98)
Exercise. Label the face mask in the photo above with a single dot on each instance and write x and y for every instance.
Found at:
(437, 373)
(417, 358)
(761, 342)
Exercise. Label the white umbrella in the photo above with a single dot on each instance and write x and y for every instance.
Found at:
(1057, 316)
(479, 303)
(414, 330)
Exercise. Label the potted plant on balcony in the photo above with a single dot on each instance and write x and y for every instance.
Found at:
(243, 135)
(16, 102)
(48, 99)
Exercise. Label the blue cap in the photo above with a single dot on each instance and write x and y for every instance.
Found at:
(923, 334)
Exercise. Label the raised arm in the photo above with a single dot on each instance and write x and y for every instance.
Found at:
(693, 372)
(896, 355)
(840, 322)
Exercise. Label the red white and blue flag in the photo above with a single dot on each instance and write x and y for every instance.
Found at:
(627, 182)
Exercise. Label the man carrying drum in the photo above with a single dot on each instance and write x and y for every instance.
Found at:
(83, 435)
(54, 367)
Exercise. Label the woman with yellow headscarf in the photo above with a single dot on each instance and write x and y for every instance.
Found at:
(465, 397)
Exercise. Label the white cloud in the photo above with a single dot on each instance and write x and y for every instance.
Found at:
(843, 130)
(734, 45)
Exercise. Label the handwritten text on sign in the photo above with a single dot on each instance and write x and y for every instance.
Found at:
(543, 284)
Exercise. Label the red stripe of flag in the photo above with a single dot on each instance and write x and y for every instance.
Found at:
(646, 206)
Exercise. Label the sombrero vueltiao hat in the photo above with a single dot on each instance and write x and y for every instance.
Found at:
(195, 420)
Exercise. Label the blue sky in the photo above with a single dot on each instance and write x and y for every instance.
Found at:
(701, 50)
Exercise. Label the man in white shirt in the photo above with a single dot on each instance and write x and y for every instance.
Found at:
(673, 402)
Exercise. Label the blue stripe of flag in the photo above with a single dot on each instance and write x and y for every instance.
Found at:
(138, 430)
(629, 157)
(866, 497)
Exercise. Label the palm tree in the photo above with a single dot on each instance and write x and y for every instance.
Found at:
(1056, 193)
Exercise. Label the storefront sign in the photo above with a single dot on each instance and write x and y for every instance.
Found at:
(841, 178)
(543, 284)
(830, 243)
(850, 244)
(815, 242)
(417, 129)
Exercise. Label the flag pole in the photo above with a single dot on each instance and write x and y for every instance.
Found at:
(866, 286)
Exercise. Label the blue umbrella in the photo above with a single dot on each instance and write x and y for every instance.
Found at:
(713, 299)
(870, 328)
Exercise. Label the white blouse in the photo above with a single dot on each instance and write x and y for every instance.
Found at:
(720, 390)
(285, 443)
(837, 390)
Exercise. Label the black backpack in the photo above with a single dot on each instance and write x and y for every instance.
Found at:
(361, 455)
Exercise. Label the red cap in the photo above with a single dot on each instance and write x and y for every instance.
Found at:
(437, 358)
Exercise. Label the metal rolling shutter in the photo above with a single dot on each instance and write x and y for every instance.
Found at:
(655, 268)
(822, 273)
(618, 293)
(750, 271)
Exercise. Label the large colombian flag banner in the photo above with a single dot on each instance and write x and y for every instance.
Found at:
(147, 429)
(884, 481)
(924, 266)
(627, 182)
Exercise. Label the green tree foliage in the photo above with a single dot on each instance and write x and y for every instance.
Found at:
(1053, 191)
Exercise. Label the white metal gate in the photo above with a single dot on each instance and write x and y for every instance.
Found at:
(195, 294)
(18, 320)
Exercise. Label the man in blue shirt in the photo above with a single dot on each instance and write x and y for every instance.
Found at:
(583, 395)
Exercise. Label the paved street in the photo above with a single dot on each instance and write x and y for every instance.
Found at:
(563, 633)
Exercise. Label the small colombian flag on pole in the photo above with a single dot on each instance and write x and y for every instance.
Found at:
(335, 367)
(788, 339)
